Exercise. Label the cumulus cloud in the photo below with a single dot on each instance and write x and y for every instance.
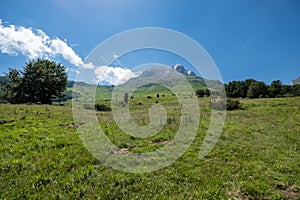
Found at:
(15, 40)
(60, 47)
(88, 66)
(113, 75)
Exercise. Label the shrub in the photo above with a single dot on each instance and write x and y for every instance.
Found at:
(102, 107)
(202, 92)
(233, 104)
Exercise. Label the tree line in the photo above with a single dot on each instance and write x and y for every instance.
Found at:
(251, 88)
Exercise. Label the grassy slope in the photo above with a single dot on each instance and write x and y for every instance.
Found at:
(257, 156)
(104, 92)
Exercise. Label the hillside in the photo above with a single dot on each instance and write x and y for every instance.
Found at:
(256, 157)
(154, 80)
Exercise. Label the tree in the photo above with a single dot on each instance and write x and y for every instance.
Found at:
(275, 88)
(296, 90)
(40, 81)
(235, 89)
(286, 90)
(257, 89)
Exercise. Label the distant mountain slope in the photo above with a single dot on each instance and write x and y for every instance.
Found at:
(169, 76)
(152, 81)
(296, 81)
(71, 83)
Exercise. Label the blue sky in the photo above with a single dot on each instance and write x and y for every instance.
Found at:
(245, 38)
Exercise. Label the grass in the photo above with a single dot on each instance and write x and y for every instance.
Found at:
(256, 157)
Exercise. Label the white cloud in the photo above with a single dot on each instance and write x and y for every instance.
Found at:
(60, 47)
(113, 75)
(16, 40)
(88, 66)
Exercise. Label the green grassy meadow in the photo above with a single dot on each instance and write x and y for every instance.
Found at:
(256, 157)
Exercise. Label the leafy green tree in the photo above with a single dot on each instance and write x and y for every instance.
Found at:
(275, 88)
(235, 89)
(249, 81)
(40, 81)
(286, 90)
(257, 90)
(295, 90)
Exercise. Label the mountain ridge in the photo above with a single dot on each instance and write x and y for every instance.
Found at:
(181, 69)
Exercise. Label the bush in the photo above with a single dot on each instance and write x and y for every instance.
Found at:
(102, 107)
(233, 104)
(202, 92)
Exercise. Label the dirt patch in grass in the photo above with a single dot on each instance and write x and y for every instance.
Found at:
(289, 191)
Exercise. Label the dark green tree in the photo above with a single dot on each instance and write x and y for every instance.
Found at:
(257, 89)
(235, 89)
(11, 88)
(295, 90)
(275, 88)
(40, 81)
(249, 81)
(286, 90)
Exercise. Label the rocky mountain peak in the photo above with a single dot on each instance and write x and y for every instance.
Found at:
(180, 68)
